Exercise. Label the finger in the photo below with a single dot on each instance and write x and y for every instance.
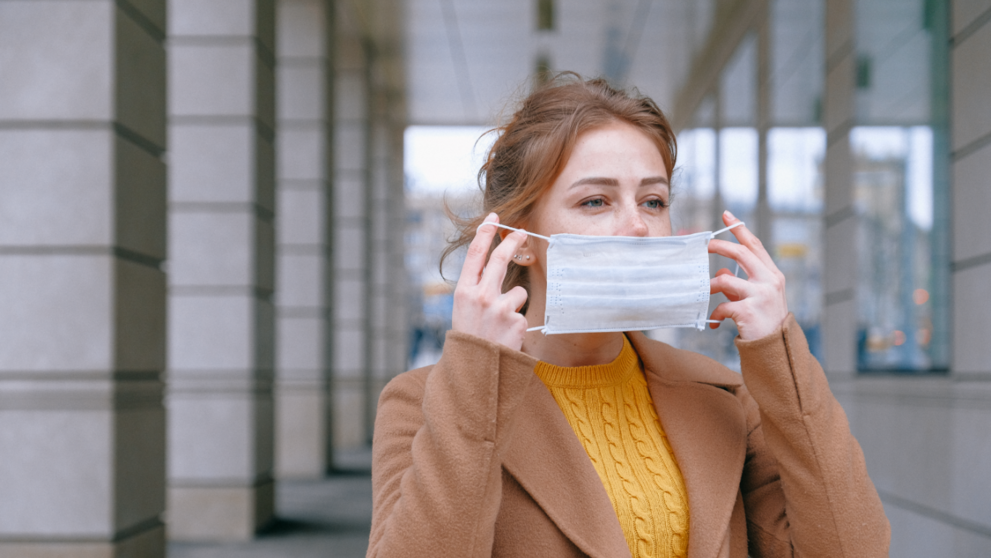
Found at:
(733, 287)
(517, 297)
(749, 239)
(495, 271)
(722, 312)
(754, 266)
(725, 271)
(471, 270)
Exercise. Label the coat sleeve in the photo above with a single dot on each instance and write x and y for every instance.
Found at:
(437, 450)
(805, 483)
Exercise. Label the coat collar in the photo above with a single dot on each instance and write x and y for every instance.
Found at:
(705, 425)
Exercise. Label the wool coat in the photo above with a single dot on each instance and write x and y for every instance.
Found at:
(473, 457)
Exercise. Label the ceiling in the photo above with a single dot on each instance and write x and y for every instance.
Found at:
(467, 60)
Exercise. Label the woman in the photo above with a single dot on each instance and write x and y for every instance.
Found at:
(518, 443)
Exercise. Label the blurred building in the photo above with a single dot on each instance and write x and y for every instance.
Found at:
(209, 264)
(429, 229)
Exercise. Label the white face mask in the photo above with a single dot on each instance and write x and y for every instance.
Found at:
(625, 283)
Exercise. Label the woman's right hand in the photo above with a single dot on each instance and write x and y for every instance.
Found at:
(480, 306)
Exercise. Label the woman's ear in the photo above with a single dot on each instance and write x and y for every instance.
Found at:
(524, 256)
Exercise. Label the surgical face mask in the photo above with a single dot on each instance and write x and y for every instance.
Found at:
(624, 283)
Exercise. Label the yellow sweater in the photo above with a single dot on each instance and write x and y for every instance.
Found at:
(611, 411)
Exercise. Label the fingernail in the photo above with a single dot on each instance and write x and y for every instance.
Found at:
(491, 217)
(730, 215)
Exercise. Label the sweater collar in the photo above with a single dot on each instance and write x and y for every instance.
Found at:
(614, 373)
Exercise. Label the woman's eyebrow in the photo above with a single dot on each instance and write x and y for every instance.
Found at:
(598, 180)
(654, 180)
(603, 181)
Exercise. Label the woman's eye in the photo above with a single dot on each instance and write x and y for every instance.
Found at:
(654, 204)
(594, 203)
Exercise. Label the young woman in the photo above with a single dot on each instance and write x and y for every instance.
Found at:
(518, 443)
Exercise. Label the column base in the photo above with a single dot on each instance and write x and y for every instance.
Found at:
(205, 513)
(147, 544)
(301, 442)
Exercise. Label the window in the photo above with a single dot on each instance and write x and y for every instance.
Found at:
(900, 180)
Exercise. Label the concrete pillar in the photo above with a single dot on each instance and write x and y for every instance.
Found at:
(221, 319)
(970, 123)
(303, 296)
(840, 266)
(385, 324)
(398, 323)
(349, 230)
(764, 216)
(388, 327)
(379, 237)
(82, 238)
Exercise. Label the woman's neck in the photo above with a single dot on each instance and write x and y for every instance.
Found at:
(573, 349)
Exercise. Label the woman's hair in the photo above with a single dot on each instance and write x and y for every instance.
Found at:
(533, 148)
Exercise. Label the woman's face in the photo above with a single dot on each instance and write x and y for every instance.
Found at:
(614, 184)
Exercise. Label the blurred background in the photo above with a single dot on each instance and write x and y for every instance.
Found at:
(220, 225)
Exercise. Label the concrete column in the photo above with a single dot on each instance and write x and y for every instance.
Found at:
(970, 168)
(303, 296)
(764, 216)
(840, 267)
(378, 219)
(350, 248)
(398, 323)
(221, 319)
(82, 238)
(386, 323)
(388, 327)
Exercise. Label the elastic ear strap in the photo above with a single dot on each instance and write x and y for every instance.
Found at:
(547, 238)
(721, 231)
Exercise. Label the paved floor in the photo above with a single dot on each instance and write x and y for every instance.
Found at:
(326, 518)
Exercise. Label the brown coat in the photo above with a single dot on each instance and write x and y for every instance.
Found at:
(473, 457)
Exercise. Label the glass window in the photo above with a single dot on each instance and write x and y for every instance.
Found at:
(894, 202)
(694, 182)
(440, 165)
(900, 159)
(795, 197)
(738, 170)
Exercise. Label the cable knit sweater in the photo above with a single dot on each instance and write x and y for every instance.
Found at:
(610, 409)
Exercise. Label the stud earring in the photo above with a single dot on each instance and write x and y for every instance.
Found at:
(517, 256)
(528, 257)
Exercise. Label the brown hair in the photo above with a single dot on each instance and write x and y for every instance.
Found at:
(533, 148)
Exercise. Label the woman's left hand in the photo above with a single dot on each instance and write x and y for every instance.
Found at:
(757, 304)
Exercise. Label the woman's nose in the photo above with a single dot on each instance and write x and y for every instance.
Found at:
(633, 224)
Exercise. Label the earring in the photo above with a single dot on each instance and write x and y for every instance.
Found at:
(517, 256)
(528, 257)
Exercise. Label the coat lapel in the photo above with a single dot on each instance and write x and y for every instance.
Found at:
(707, 429)
(550, 463)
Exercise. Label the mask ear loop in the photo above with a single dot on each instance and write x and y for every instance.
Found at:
(507, 227)
(547, 238)
(735, 273)
(721, 231)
